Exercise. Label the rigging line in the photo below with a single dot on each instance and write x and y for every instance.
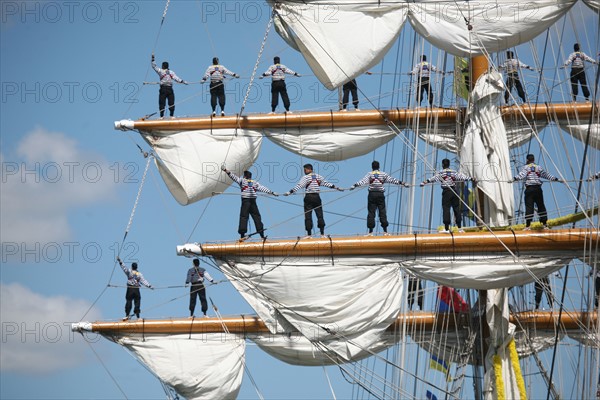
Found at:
(329, 382)
(106, 368)
(199, 218)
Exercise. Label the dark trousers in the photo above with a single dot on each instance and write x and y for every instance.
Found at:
(277, 88)
(133, 295)
(424, 86)
(350, 87)
(450, 199)
(534, 196)
(578, 76)
(540, 287)
(165, 94)
(597, 289)
(312, 201)
(376, 202)
(415, 289)
(513, 80)
(249, 207)
(217, 92)
(198, 289)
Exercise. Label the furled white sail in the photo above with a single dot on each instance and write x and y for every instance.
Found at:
(196, 366)
(593, 4)
(496, 25)
(484, 153)
(582, 131)
(190, 161)
(341, 40)
(345, 305)
(296, 349)
(331, 144)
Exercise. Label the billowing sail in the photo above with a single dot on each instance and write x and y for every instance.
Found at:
(196, 366)
(582, 131)
(342, 40)
(484, 153)
(593, 4)
(328, 144)
(190, 161)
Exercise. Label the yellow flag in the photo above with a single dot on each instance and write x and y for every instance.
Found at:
(462, 77)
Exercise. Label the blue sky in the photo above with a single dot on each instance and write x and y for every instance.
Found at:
(69, 180)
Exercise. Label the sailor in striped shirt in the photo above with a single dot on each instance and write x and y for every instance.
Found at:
(216, 73)
(450, 198)
(532, 173)
(311, 183)
(165, 92)
(249, 188)
(196, 276)
(134, 280)
(577, 59)
(512, 67)
(376, 199)
(277, 72)
(423, 71)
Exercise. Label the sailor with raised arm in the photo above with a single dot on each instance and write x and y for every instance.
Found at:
(423, 71)
(134, 280)
(512, 67)
(311, 183)
(249, 188)
(216, 73)
(450, 198)
(277, 72)
(577, 60)
(196, 276)
(166, 92)
(376, 199)
(532, 174)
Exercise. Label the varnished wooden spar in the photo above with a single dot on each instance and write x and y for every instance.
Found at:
(422, 321)
(534, 112)
(540, 242)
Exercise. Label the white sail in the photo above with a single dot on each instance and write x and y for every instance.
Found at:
(331, 144)
(190, 161)
(593, 4)
(582, 131)
(196, 366)
(345, 306)
(484, 153)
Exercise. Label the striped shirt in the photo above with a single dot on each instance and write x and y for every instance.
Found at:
(512, 66)
(248, 186)
(423, 69)
(447, 177)
(311, 183)
(197, 275)
(134, 278)
(577, 58)
(532, 174)
(376, 179)
(216, 73)
(167, 76)
(278, 71)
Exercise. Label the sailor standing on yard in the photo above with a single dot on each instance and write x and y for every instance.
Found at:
(376, 199)
(577, 59)
(165, 92)
(216, 73)
(450, 198)
(196, 276)
(134, 280)
(423, 71)
(249, 207)
(311, 183)
(533, 190)
(277, 71)
(512, 67)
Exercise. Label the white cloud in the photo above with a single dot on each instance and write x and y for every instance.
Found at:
(52, 176)
(36, 334)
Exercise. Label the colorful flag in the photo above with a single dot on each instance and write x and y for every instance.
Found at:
(451, 301)
(439, 365)
(430, 396)
(462, 81)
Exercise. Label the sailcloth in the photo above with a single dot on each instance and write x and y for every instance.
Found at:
(196, 366)
(190, 161)
(593, 4)
(484, 153)
(582, 131)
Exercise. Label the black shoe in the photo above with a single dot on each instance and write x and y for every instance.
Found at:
(137, 315)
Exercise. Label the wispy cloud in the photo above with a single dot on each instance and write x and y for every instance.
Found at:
(36, 335)
(48, 177)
